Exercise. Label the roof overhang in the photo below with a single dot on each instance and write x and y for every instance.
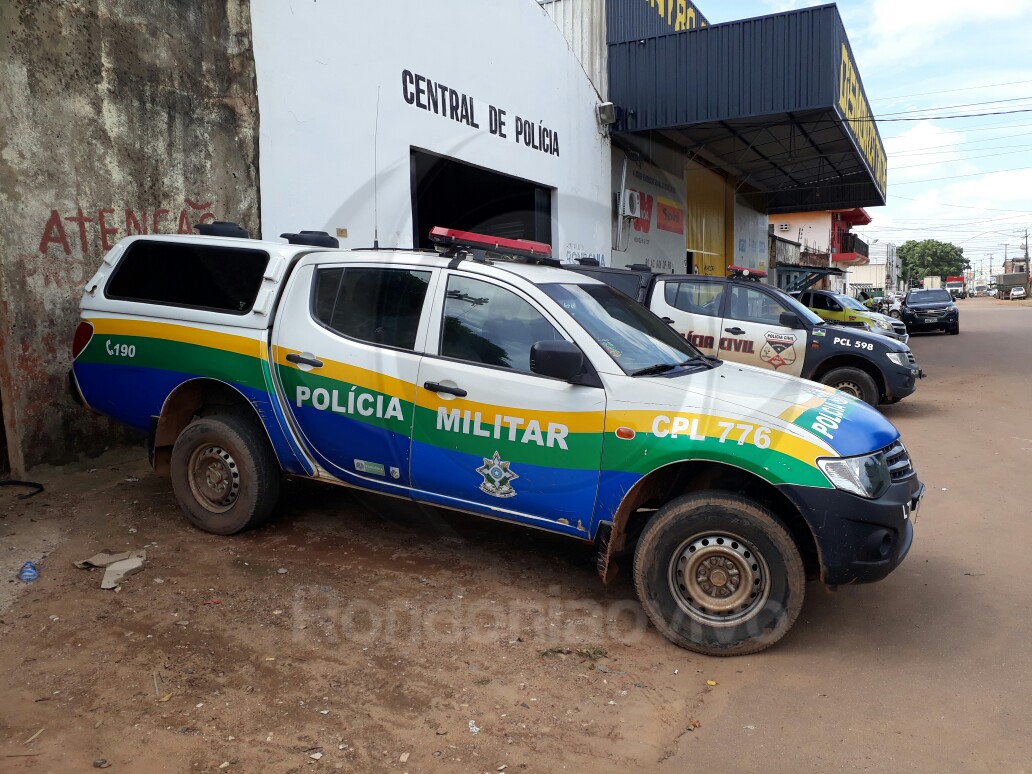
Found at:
(775, 101)
(803, 277)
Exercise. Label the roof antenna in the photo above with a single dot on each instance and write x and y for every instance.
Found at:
(376, 135)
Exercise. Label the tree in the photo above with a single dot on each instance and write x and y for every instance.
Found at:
(931, 258)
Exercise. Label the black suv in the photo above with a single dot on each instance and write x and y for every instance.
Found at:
(931, 310)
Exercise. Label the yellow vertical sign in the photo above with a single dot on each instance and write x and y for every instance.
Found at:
(854, 108)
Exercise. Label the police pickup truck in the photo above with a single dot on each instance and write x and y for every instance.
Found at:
(485, 379)
(744, 321)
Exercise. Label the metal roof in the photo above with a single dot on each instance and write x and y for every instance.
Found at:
(775, 100)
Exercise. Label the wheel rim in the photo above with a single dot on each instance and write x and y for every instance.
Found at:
(719, 579)
(850, 388)
(214, 478)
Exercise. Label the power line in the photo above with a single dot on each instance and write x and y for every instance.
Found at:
(973, 174)
(962, 206)
(954, 107)
(950, 91)
(944, 118)
(969, 158)
(969, 130)
(927, 151)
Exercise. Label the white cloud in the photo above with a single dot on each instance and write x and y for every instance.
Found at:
(900, 30)
(928, 144)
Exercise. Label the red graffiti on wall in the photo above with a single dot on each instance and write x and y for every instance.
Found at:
(103, 223)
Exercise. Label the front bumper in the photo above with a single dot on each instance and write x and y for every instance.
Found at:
(901, 381)
(918, 322)
(858, 540)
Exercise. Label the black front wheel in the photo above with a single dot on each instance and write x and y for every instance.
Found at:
(224, 474)
(718, 574)
(953, 330)
(853, 381)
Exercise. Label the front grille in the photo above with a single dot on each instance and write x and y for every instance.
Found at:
(899, 328)
(898, 460)
(911, 358)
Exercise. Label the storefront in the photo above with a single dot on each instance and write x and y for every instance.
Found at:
(768, 115)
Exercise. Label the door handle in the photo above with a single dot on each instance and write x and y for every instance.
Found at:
(435, 387)
(302, 360)
(736, 331)
(668, 321)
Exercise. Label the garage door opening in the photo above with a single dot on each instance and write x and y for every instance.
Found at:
(453, 194)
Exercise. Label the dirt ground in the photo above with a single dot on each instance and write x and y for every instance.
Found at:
(364, 634)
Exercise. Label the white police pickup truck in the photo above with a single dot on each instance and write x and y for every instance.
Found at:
(483, 378)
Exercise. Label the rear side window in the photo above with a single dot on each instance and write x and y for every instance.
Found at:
(753, 306)
(629, 284)
(695, 297)
(222, 279)
(379, 306)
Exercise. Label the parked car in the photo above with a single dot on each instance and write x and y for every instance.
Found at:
(840, 308)
(486, 381)
(745, 321)
(1016, 293)
(929, 310)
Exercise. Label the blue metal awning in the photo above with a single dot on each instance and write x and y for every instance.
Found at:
(775, 100)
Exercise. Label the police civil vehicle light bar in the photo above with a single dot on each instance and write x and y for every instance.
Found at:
(524, 248)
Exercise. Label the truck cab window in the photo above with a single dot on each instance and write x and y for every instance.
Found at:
(379, 306)
(484, 323)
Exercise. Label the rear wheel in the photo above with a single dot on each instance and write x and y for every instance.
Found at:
(718, 574)
(895, 313)
(853, 381)
(224, 475)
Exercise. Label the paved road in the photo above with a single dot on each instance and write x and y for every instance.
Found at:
(930, 670)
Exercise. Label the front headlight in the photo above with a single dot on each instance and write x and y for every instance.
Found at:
(866, 476)
(899, 358)
(951, 308)
(881, 324)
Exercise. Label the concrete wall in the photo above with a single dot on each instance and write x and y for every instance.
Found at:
(811, 229)
(116, 117)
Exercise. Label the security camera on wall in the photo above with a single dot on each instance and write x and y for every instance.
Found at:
(606, 113)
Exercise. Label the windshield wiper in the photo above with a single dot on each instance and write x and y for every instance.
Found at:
(662, 368)
(658, 368)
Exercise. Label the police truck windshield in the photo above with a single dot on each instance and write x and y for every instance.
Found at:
(632, 335)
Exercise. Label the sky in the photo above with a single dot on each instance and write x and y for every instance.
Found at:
(966, 180)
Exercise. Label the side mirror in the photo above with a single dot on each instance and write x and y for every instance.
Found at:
(791, 320)
(558, 359)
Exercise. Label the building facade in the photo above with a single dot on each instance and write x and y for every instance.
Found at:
(618, 131)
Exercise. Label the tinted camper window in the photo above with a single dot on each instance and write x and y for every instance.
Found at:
(223, 279)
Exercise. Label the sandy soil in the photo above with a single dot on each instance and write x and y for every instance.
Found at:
(390, 637)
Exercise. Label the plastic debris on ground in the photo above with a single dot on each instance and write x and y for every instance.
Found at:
(117, 567)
